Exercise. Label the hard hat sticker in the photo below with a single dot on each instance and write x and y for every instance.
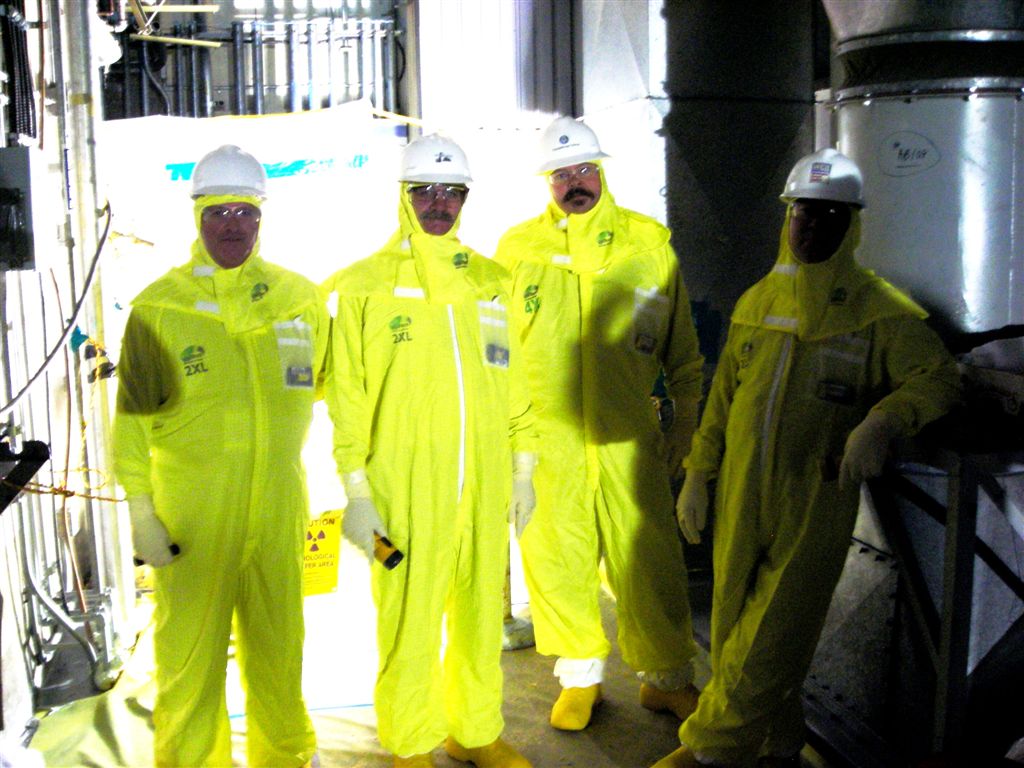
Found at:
(820, 172)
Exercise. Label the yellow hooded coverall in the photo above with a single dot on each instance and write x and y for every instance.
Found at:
(811, 349)
(602, 308)
(426, 392)
(215, 395)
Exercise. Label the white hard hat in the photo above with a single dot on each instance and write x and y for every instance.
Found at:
(434, 158)
(229, 170)
(567, 142)
(825, 175)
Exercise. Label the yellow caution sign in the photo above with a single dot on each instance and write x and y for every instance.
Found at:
(320, 557)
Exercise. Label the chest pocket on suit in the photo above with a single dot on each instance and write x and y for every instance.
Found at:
(650, 319)
(493, 333)
(295, 353)
(840, 363)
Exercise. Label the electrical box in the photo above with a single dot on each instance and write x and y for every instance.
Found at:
(17, 236)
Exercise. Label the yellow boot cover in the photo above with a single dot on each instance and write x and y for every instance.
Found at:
(497, 754)
(680, 702)
(574, 706)
(681, 758)
(415, 761)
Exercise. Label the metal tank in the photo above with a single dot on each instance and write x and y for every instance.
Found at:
(927, 99)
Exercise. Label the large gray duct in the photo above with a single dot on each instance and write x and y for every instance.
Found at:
(740, 80)
(927, 99)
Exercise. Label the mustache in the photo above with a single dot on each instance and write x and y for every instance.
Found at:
(575, 192)
(438, 216)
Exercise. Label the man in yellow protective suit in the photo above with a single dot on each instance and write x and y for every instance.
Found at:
(824, 365)
(433, 437)
(602, 311)
(217, 379)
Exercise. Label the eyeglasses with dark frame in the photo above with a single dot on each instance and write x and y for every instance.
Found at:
(564, 175)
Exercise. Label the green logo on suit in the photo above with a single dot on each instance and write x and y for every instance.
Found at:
(399, 327)
(192, 359)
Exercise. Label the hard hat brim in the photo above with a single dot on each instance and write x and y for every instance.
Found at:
(787, 199)
(231, 189)
(437, 178)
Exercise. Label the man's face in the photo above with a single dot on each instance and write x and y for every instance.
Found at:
(229, 232)
(576, 188)
(817, 229)
(437, 205)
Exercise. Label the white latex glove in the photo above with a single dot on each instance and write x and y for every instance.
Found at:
(868, 446)
(360, 520)
(692, 506)
(150, 540)
(524, 499)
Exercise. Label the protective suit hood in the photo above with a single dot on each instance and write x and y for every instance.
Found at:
(829, 298)
(581, 241)
(440, 267)
(437, 258)
(245, 298)
(199, 251)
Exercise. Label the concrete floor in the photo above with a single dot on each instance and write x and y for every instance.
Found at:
(621, 733)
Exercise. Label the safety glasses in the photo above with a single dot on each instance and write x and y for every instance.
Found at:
(423, 193)
(565, 175)
(221, 214)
